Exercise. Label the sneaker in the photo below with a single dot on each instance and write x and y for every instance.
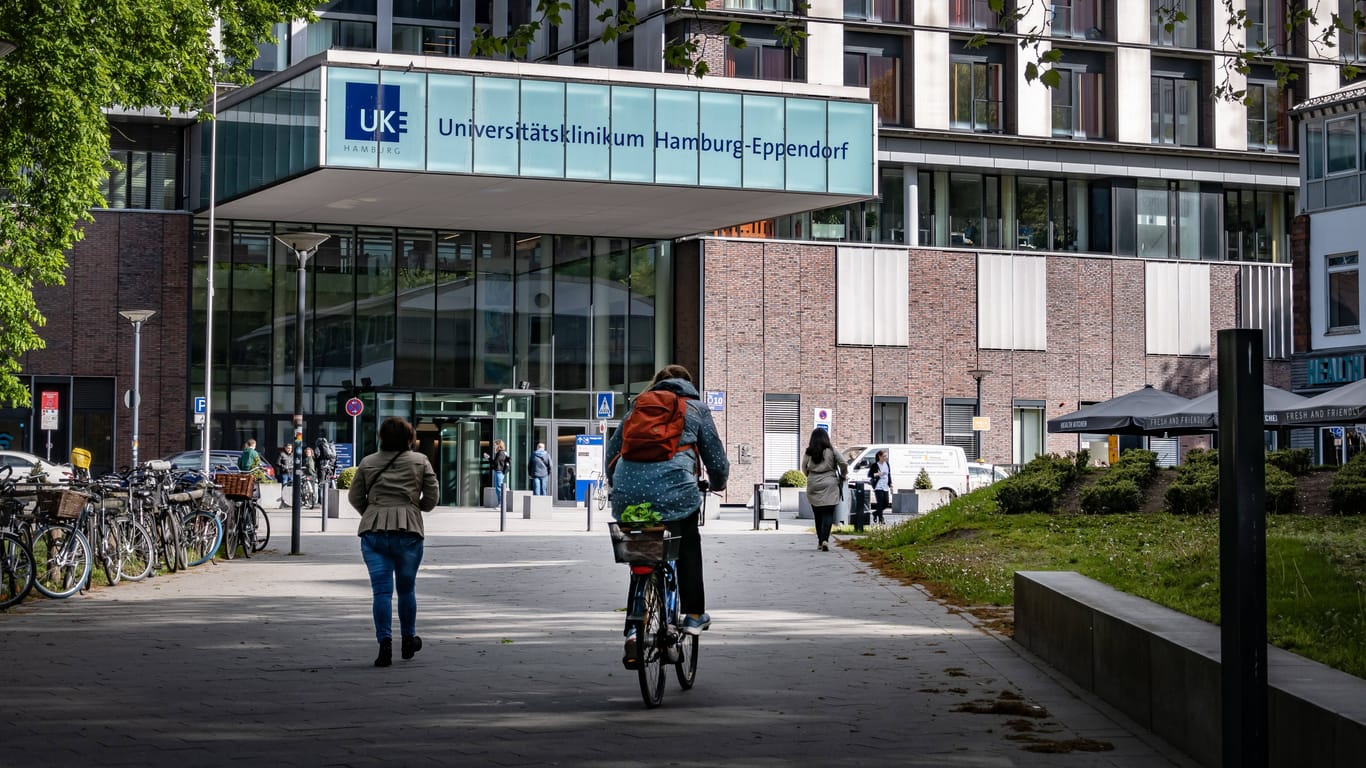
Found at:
(629, 659)
(825, 547)
(694, 624)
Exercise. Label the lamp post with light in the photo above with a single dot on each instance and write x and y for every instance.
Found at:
(978, 374)
(303, 244)
(137, 317)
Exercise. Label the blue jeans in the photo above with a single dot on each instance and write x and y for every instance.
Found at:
(393, 556)
(538, 486)
(498, 479)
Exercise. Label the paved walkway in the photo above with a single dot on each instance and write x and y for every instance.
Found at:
(812, 660)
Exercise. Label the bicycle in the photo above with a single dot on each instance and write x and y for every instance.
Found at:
(17, 570)
(247, 526)
(601, 490)
(653, 612)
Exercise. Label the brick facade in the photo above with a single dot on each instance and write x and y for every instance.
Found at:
(769, 318)
(126, 260)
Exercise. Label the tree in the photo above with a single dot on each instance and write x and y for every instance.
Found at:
(73, 59)
(1243, 49)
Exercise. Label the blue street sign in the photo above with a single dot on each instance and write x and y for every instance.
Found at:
(716, 401)
(606, 404)
(201, 405)
(344, 456)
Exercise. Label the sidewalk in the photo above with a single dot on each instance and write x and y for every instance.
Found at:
(812, 660)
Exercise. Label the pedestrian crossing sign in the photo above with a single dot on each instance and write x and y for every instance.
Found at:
(606, 405)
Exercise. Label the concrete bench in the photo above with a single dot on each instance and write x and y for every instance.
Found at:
(537, 507)
(1161, 667)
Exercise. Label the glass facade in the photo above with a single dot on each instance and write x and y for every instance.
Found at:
(269, 137)
(434, 326)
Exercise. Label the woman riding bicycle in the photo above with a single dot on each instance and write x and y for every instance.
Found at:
(670, 486)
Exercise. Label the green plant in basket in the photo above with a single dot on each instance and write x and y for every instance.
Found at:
(641, 513)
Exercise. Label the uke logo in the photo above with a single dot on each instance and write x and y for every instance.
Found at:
(373, 114)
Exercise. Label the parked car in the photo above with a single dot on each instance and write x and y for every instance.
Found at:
(946, 465)
(219, 461)
(982, 475)
(24, 465)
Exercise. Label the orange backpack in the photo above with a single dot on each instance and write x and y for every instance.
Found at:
(655, 427)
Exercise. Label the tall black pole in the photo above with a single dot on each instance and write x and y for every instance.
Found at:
(296, 514)
(1242, 548)
(977, 413)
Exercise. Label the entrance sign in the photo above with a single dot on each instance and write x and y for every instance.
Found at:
(588, 464)
(716, 400)
(605, 406)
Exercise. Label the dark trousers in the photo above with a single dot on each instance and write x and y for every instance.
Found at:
(825, 520)
(692, 595)
(884, 501)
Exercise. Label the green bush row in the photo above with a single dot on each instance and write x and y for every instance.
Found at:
(1195, 490)
(1120, 489)
(1296, 461)
(1038, 483)
(1347, 493)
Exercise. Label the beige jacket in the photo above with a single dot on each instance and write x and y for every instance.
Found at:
(393, 499)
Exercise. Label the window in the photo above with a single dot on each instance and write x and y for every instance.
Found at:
(972, 14)
(889, 420)
(1255, 223)
(338, 33)
(1012, 301)
(1173, 23)
(958, 413)
(1027, 430)
(438, 10)
(871, 297)
(762, 62)
(1344, 292)
(1313, 151)
(430, 41)
(782, 434)
(1342, 145)
(975, 96)
(1176, 111)
(974, 210)
(1169, 220)
(1268, 129)
(781, 6)
(1054, 214)
(1177, 308)
(1352, 43)
(872, 10)
(1075, 18)
(882, 76)
(147, 180)
(1078, 105)
(1266, 26)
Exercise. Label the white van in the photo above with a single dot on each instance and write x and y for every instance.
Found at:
(947, 465)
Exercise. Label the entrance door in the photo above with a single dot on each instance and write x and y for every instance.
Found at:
(564, 452)
(457, 431)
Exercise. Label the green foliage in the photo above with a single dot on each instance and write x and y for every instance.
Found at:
(1280, 491)
(641, 513)
(1027, 492)
(1196, 488)
(922, 481)
(1296, 461)
(1121, 496)
(1347, 493)
(345, 477)
(793, 478)
(73, 59)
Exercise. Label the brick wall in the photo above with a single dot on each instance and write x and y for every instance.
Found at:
(770, 327)
(126, 260)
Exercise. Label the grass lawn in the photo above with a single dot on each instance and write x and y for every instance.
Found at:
(1316, 565)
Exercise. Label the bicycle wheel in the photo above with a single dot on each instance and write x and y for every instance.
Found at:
(200, 535)
(232, 530)
(686, 666)
(260, 528)
(16, 569)
(651, 639)
(61, 560)
(108, 547)
(168, 541)
(139, 551)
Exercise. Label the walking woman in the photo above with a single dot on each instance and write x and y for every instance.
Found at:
(391, 490)
(825, 471)
(880, 475)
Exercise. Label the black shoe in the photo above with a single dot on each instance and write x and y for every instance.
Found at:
(411, 645)
(386, 653)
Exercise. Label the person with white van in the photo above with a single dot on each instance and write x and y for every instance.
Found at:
(946, 465)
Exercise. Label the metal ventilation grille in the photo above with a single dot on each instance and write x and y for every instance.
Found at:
(782, 435)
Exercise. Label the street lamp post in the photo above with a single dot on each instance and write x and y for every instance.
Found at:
(978, 374)
(303, 244)
(137, 317)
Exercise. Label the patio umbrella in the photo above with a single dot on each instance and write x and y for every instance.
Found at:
(1123, 415)
(1202, 413)
(1344, 405)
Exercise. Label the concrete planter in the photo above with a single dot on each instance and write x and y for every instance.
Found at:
(790, 501)
(928, 501)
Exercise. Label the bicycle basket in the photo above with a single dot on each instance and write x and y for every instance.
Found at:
(237, 486)
(61, 503)
(643, 545)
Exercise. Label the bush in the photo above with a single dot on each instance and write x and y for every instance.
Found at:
(1280, 490)
(1026, 492)
(1292, 460)
(344, 479)
(922, 481)
(793, 478)
(1191, 498)
(1138, 466)
(1114, 497)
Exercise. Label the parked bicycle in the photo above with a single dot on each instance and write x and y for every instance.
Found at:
(653, 611)
(16, 558)
(247, 527)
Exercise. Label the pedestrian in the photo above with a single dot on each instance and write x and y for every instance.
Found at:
(670, 485)
(391, 489)
(825, 471)
(284, 463)
(538, 466)
(501, 463)
(880, 475)
(249, 460)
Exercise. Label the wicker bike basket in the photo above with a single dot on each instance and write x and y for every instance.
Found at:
(643, 545)
(62, 503)
(237, 486)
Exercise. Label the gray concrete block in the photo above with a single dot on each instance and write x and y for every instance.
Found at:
(1186, 695)
(536, 507)
(1053, 626)
(1121, 671)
